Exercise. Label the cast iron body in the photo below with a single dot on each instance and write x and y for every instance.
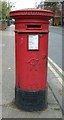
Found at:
(31, 64)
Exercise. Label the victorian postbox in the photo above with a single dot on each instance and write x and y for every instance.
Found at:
(31, 50)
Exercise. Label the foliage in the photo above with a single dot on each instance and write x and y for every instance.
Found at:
(55, 6)
(5, 9)
(54, 0)
(0, 9)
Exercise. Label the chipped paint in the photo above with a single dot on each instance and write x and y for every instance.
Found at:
(21, 41)
(44, 57)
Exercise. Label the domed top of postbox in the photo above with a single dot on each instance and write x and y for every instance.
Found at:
(31, 13)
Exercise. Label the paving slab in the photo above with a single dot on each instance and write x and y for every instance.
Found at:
(10, 110)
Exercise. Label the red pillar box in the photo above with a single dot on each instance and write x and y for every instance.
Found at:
(31, 48)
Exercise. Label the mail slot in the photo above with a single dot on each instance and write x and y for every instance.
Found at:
(31, 50)
(34, 26)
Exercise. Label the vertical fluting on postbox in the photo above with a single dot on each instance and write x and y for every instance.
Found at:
(31, 48)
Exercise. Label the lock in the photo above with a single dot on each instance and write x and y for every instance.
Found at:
(41, 35)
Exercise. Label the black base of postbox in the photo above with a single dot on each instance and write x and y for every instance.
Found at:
(31, 100)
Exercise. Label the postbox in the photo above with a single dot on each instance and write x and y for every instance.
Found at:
(31, 51)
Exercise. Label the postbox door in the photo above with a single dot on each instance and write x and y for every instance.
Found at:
(32, 61)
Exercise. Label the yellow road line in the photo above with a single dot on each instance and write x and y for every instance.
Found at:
(56, 74)
(60, 70)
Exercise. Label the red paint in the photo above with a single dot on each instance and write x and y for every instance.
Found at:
(31, 65)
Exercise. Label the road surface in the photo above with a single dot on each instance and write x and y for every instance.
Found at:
(56, 65)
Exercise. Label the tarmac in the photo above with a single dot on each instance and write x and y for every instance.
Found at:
(8, 109)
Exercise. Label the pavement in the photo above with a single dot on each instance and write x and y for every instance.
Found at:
(0, 74)
(8, 109)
